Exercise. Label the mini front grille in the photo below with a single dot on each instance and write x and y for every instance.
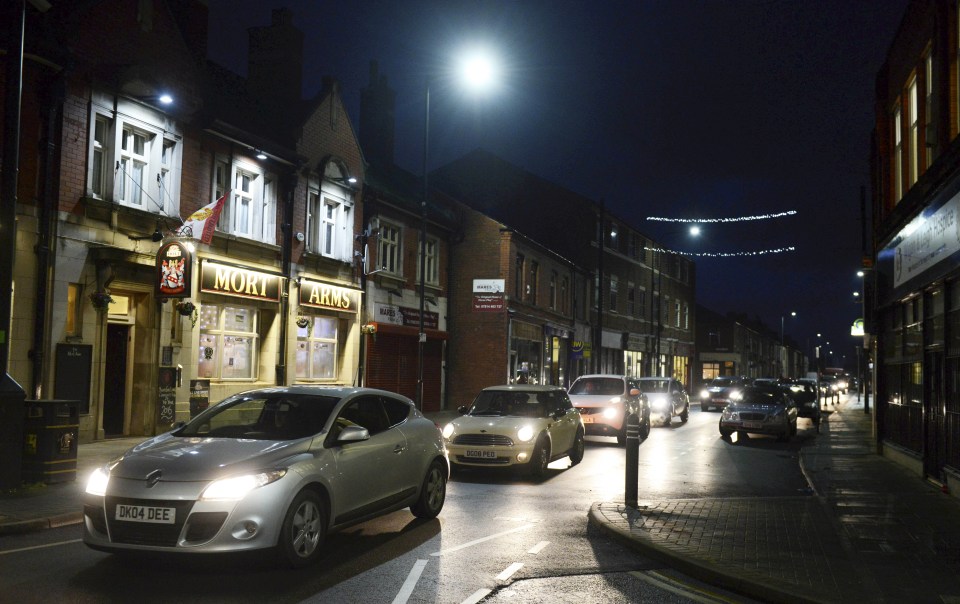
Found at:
(499, 461)
(146, 533)
(483, 440)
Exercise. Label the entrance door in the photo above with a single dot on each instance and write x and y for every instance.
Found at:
(115, 379)
(934, 439)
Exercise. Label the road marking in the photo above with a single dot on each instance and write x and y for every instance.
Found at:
(410, 583)
(536, 549)
(673, 586)
(26, 549)
(479, 541)
(477, 596)
(508, 572)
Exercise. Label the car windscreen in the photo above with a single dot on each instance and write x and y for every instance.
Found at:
(598, 385)
(724, 382)
(760, 397)
(510, 403)
(273, 416)
(653, 386)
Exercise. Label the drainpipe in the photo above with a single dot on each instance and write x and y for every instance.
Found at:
(286, 232)
(47, 227)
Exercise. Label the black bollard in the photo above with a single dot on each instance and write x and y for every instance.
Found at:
(633, 460)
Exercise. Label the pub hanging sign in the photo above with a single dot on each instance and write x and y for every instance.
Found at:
(174, 271)
(227, 280)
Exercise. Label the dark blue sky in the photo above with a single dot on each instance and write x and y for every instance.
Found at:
(674, 108)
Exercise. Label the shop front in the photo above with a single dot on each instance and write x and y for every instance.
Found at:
(393, 352)
(327, 327)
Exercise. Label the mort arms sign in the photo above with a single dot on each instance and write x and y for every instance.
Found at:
(229, 280)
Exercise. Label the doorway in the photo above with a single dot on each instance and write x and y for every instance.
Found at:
(115, 379)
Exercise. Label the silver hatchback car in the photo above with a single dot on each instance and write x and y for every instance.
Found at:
(269, 469)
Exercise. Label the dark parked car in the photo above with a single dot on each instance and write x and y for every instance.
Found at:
(717, 392)
(804, 394)
(760, 410)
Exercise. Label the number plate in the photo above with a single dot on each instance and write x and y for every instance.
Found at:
(480, 454)
(144, 513)
(587, 419)
(753, 425)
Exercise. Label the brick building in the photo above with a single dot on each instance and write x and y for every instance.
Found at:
(914, 306)
(128, 130)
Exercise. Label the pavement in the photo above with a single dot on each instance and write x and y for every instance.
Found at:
(869, 531)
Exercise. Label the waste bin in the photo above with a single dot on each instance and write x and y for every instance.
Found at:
(50, 432)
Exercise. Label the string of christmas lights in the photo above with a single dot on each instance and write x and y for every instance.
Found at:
(779, 250)
(737, 219)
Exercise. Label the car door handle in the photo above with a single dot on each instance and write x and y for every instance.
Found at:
(399, 449)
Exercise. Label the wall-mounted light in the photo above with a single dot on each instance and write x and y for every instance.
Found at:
(260, 154)
(165, 98)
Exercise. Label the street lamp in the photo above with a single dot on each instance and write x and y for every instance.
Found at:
(792, 314)
(477, 70)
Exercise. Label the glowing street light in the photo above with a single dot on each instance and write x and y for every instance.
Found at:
(477, 71)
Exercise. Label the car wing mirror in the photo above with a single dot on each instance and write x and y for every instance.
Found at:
(353, 434)
(462, 409)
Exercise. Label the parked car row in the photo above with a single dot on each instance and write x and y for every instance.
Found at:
(279, 468)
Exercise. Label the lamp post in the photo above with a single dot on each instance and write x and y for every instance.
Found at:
(477, 70)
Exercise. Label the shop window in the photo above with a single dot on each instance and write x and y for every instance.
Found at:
(229, 342)
(317, 349)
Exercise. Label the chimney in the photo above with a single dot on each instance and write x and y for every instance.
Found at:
(377, 122)
(275, 63)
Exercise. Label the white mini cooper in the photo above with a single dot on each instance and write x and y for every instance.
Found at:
(520, 426)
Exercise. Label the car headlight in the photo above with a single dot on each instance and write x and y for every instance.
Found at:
(736, 395)
(611, 412)
(730, 414)
(97, 483)
(236, 487)
(448, 430)
(704, 393)
(659, 401)
(524, 434)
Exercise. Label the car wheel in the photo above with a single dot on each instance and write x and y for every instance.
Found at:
(537, 466)
(303, 529)
(725, 432)
(704, 407)
(433, 492)
(685, 414)
(576, 451)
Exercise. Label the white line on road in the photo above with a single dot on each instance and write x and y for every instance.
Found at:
(410, 583)
(508, 572)
(477, 596)
(536, 549)
(688, 591)
(479, 541)
(26, 549)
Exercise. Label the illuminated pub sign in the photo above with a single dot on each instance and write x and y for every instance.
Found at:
(317, 294)
(216, 278)
(174, 270)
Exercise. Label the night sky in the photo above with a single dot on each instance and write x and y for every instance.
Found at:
(675, 109)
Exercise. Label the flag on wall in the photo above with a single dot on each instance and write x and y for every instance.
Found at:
(201, 224)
